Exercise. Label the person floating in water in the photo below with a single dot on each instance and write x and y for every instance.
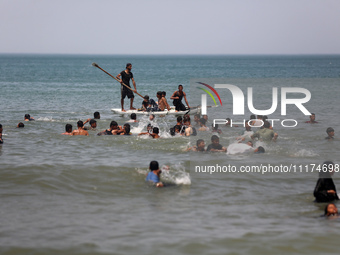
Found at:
(113, 130)
(203, 126)
(177, 97)
(154, 174)
(265, 134)
(189, 130)
(125, 77)
(80, 130)
(68, 129)
(154, 134)
(215, 145)
(1, 140)
(28, 117)
(311, 119)
(20, 125)
(325, 190)
(330, 133)
(200, 146)
(243, 148)
(133, 118)
(126, 130)
(93, 125)
(331, 211)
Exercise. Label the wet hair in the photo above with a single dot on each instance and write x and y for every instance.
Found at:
(186, 118)
(149, 125)
(180, 85)
(214, 138)
(260, 149)
(199, 141)
(27, 116)
(179, 119)
(178, 127)
(159, 93)
(266, 124)
(329, 130)
(92, 121)
(214, 127)
(68, 127)
(326, 208)
(127, 128)
(203, 121)
(163, 93)
(133, 116)
(80, 123)
(154, 165)
(113, 123)
(155, 130)
(96, 115)
(324, 171)
(312, 113)
(128, 64)
(146, 97)
(20, 125)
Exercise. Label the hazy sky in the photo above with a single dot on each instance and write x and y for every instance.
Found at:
(170, 27)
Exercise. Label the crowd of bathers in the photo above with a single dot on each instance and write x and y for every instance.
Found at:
(325, 190)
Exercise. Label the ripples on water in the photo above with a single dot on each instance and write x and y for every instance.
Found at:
(87, 195)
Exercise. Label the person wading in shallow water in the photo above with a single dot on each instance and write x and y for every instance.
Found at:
(126, 75)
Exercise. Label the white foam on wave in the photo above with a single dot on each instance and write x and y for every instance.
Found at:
(176, 174)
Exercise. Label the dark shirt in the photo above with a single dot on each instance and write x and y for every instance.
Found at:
(320, 191)
(214, 146)
(126, 78)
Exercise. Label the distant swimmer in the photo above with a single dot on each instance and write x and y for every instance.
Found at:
(265, 134)
(1, 140)
(203, 127)
(68, 129)
(311, 119)
(331, 211)
(125, 77)
(243, 148)
(20, 125)
(325, 190)
(200, 146)
(96, 116)
(205, 116)
(330, 133)
(126, 129)
(215, 145)
(154, 174)
(177, 97)
(133, 118)
(154, 134)
(80, 130)
(197, 120)
(28, 117)
(93, 125)
(113, 130)
(215, 129)
(152, 117)
(245, 135)
(189, 130)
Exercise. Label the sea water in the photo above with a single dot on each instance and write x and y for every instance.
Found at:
(87, 195)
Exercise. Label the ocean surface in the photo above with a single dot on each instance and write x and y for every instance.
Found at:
(87, 195)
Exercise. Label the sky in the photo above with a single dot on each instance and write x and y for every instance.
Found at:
(170, 27)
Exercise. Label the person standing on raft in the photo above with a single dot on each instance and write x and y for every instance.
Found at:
(126, 75)
(177, 97)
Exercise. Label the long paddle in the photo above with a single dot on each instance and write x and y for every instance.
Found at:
(96, 65)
